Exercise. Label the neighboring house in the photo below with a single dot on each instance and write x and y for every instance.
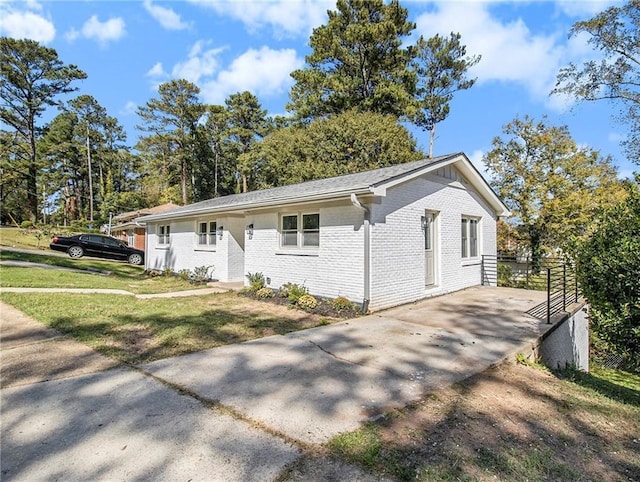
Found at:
(129, 229)
(380, 238)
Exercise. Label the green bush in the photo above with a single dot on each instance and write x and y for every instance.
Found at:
(265, 293)
(293, 291)
(201, 274)
(256, 281)
(341, 303)
(183, 274)
(505, 276)
(608, 265)
(307, 302)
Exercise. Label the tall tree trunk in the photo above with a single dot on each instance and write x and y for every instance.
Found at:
(432, 137)
(32, 174)
(183, 181)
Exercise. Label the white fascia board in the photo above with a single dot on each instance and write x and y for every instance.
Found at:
(243, 207)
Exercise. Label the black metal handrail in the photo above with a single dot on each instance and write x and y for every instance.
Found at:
(562, 290)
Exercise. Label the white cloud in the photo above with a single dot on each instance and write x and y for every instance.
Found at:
(615, 137)
(129, 108)
(288, 18)
(510, 51)
(200, 63)
(166, 17)
(584, 10)
(26, 24)
(263, 72)
(103, 32)
(157, 71)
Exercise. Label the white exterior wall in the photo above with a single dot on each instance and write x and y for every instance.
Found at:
(334, 269)
(183, 252)
(397, 244)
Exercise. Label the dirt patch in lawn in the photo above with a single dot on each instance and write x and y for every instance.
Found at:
(511, 423)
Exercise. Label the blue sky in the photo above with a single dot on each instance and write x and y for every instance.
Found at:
(127, 48)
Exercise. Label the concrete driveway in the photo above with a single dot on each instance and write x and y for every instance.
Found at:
(313, 384)
(279, 393)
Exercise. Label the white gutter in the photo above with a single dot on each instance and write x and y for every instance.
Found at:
(367, 252)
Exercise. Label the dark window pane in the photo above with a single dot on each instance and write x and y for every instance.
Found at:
(310, 221)
(289, 222)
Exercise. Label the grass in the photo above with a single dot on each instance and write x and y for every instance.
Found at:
(122, 275)
(138, 331)
(23, 238)
(511, 423)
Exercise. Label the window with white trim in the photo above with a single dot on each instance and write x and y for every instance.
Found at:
(206, 233)
(164, 235)
(300, 230)
(469, 237)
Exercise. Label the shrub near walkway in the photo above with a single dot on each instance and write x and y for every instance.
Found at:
(139, 331)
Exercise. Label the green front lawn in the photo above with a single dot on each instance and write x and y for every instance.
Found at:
(122, 275)
(138, 331)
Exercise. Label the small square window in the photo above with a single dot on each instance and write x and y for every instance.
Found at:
(300, 230)
(206, 235)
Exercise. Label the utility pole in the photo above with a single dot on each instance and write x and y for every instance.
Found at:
(90, 177)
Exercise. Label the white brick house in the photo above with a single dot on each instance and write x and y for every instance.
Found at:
(381, 237)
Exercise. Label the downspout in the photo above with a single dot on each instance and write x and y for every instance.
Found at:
(367, 253)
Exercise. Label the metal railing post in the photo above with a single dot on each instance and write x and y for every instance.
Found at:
(564, 286)
(548, 295)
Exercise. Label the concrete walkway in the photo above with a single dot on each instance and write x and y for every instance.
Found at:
(69, 413)
(214, 287)
(304, 388)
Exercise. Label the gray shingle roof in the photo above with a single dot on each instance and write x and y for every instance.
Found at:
(318, 189)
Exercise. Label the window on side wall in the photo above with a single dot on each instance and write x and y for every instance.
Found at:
(206, 233)
(469, 237)
(301, 230)
(164, 235)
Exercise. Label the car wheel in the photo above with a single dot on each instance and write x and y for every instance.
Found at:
(75, 252)
(135, 258)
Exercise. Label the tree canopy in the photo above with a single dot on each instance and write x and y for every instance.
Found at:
(31, 77)
(342, 144)
(358, 62)
(554, 188)
(614, 33)
(441, 65)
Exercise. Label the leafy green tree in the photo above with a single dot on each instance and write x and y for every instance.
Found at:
(86, 158)
(358, 62)
(608, 267)
(342, 144)
(12, 186)
(616, 76)
(441, 65)
(172, 121)
(247, 124)
(31, 76)
(554, 188)
(67, 170)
